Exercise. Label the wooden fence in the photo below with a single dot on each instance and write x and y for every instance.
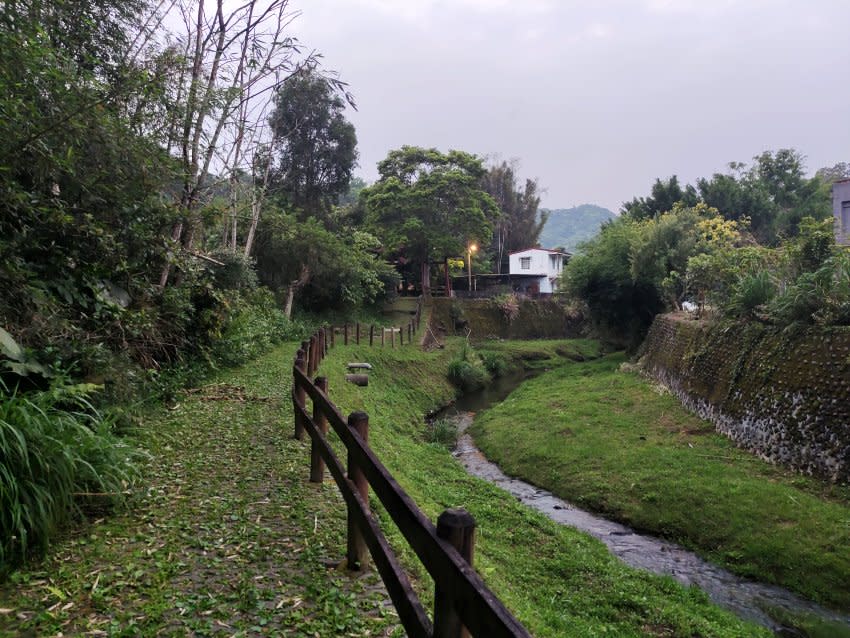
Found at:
(358, 333)
(463, 604)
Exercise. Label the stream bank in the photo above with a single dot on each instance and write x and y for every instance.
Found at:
(765, 604)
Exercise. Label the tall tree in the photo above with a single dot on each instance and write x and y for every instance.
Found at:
(234, 55)
(315, 149)
(518, 225)
(429, 204)
(664, 194)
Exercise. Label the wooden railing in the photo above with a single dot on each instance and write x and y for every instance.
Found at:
(358, 333)
(462, 602)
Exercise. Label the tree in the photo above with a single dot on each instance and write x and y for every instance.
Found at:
(834, 173)
(428, 204)
(315, 149)
(664, 194)
(518, 225)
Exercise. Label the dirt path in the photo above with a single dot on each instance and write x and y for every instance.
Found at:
(228, 538)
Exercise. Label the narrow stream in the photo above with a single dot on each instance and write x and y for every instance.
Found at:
(747, 599)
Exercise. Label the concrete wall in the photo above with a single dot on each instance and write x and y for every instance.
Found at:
(538, 319)
(784, 395)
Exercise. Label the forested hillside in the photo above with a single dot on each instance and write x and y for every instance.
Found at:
(568, 227)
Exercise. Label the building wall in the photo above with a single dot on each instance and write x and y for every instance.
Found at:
(783, 394)
(841, 211)
(541, 264)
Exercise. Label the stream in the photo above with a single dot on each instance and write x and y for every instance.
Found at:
(749, 600)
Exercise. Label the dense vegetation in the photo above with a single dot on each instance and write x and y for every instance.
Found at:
(777, 263)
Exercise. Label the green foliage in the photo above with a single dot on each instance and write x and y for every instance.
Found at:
(495, 363)
(751, 293)
(466, 372)
(429, 205)
(334, 271)
(254, 323)
(56, 449)
(442, 432)
(315, 149)
(618, 305)
(517, 224)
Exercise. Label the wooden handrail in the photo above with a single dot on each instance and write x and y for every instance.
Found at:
(462, 596)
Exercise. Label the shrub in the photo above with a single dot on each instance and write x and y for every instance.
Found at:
(56, 450)
(495, 363)
(466, 376)
(442, 432)
(509, 305)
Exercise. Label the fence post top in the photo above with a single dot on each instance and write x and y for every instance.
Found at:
(455, 517)
(322, 382)
(357, 417)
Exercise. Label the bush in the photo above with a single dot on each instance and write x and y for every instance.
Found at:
(442, 432)
(466, 372)
(56, 450)
(495, 363)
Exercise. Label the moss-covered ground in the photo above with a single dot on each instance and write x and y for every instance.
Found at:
(229, 538)
(608, 440)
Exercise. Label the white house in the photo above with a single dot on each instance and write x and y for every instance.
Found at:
(536, 270)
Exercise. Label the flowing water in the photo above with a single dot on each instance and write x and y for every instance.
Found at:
(748, 599)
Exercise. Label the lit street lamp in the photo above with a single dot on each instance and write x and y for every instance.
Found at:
(469, 250)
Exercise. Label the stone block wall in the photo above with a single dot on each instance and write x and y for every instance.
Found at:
(783, 394)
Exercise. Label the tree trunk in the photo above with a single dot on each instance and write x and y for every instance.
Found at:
(426, 278)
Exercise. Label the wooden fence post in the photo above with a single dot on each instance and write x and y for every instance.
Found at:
(400, 336)
(299, 395)
(305, 346)
(392, 337)
(357, 333)
(358, 553)
(371, 334)
(311, 359)
(317, 464)
(345, 335)
(333, 336)
(457, 527)
(383, 335)
(410, 332)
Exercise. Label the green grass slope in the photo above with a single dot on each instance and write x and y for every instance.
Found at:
(609, 441)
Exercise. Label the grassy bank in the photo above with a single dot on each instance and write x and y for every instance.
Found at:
(612, 442)
(558, 582)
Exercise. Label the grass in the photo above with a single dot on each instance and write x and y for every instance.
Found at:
(231, 539)
(611, 442)
(228, 539)
(556, 580)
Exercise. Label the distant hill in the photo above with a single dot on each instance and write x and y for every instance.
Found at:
(568, 227)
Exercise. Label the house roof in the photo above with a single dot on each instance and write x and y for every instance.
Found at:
(543, 250)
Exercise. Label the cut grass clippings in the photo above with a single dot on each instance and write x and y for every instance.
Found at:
(612, 442)
(229, 538)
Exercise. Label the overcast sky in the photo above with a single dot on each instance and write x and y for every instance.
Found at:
(596, 98)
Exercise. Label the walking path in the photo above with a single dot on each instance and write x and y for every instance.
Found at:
(229, 538)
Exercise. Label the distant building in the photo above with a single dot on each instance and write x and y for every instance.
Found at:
(535, 271)
(841, 210)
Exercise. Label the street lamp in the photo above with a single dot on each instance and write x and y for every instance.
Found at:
(469, 250)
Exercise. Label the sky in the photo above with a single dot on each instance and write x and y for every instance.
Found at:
(595, 98)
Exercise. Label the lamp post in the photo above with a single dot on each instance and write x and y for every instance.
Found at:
(469, 250)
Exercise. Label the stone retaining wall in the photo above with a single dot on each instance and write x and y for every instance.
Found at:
(537, 319)
(784, 394)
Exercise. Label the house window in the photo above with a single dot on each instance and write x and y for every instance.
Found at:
(555, 263)
(525, 263)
